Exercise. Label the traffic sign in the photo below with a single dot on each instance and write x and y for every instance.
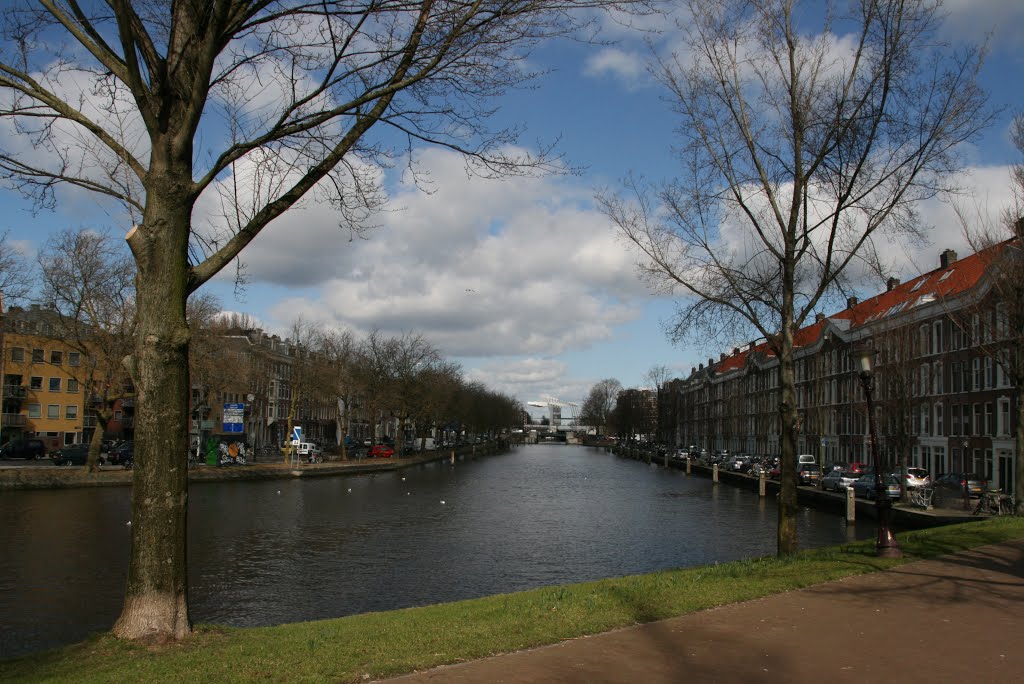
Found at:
(296, 433)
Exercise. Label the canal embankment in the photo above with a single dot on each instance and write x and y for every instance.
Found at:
(904, 516)
(47, 476)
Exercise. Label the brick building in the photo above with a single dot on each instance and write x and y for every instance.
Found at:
(943, 397)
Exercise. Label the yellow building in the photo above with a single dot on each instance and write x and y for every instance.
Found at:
(43, 381)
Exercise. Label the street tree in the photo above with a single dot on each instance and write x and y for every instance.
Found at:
(171, 109)
(800, 152)
(16, 276)
(600, 402)
(994, 324)
(88, 280)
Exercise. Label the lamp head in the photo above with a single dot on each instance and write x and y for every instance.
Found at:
(865, 357)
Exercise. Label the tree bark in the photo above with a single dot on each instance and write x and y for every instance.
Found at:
(156, 601)
(1018, 456)
(786, 534)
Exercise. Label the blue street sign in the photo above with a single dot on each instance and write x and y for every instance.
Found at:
(234, 418)
(296, 433)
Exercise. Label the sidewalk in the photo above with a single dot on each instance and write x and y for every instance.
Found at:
(956, 619)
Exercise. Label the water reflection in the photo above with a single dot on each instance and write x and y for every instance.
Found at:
(272, 552)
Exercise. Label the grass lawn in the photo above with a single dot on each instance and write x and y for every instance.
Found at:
(376, 645)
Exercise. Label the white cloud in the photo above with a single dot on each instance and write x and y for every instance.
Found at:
(629, 66)
(482, 268)
(977, 20)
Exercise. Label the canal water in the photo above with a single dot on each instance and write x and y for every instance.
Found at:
(264, 553)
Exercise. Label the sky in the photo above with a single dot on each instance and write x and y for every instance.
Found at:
(523, 281)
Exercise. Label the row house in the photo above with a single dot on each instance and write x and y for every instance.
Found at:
(944, 395)
(277, 383)
(46, 383)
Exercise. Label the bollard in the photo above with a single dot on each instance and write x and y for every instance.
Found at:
(666, 458)
(714, 473)
(687, 465)
(761, 487)
(851, 505)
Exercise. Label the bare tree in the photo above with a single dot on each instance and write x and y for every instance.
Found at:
(87, 278)
(994, 324)
(600, 403)
(130, 101)
(16, 276)
(799, 151)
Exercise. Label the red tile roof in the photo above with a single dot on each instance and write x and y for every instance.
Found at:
(954, 279)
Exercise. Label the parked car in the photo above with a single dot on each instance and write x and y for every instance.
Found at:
(864, 486)
(838, 480)
(858, 467)
(808, 474)
(950, 486)
(380, 451)
(917, 477)
(72, 454)
(122, 453)
(29, 449)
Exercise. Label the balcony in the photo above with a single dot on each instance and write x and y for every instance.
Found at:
(15, 391)
(14, 420)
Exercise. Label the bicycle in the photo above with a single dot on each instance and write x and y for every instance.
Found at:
(994, 502)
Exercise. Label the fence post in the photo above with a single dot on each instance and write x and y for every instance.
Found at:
(851, 505)
(761, 487)
(714, 473)
(687, 465)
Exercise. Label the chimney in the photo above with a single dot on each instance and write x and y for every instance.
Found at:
(694, 370)
(818, 317)
(891, 283)
(700, 366)
(721, 357)
(851, 302)
(947, 259)
(735, 350)
(711, 362)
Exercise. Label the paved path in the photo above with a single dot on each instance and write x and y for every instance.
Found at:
(956, 619)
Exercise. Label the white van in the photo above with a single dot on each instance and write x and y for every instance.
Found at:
(801, 459)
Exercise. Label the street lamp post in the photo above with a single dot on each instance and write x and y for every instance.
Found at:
(886, 545)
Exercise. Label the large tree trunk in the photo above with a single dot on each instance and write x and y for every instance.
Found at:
(786, 534)
(1018, 449)
(156, 596)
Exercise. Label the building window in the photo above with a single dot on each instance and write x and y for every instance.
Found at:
(990, 419)
(954, 417)
(976, 366)
(18, 354)
(72, 386)
(955, 372)
(937, 378)
(71, 412)
(990, 379)
(53, 411)
(937, 337)
(55, 384)
(926, 412)
(979, 426)
(35, 410)
(74, 358)
(56, 357)
(1004, 417)
(35, 382)
(939, 422)
(37, 356)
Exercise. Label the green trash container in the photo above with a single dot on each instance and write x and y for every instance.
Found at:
(211, 452)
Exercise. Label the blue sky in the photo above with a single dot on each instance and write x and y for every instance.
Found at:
(523, 281)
